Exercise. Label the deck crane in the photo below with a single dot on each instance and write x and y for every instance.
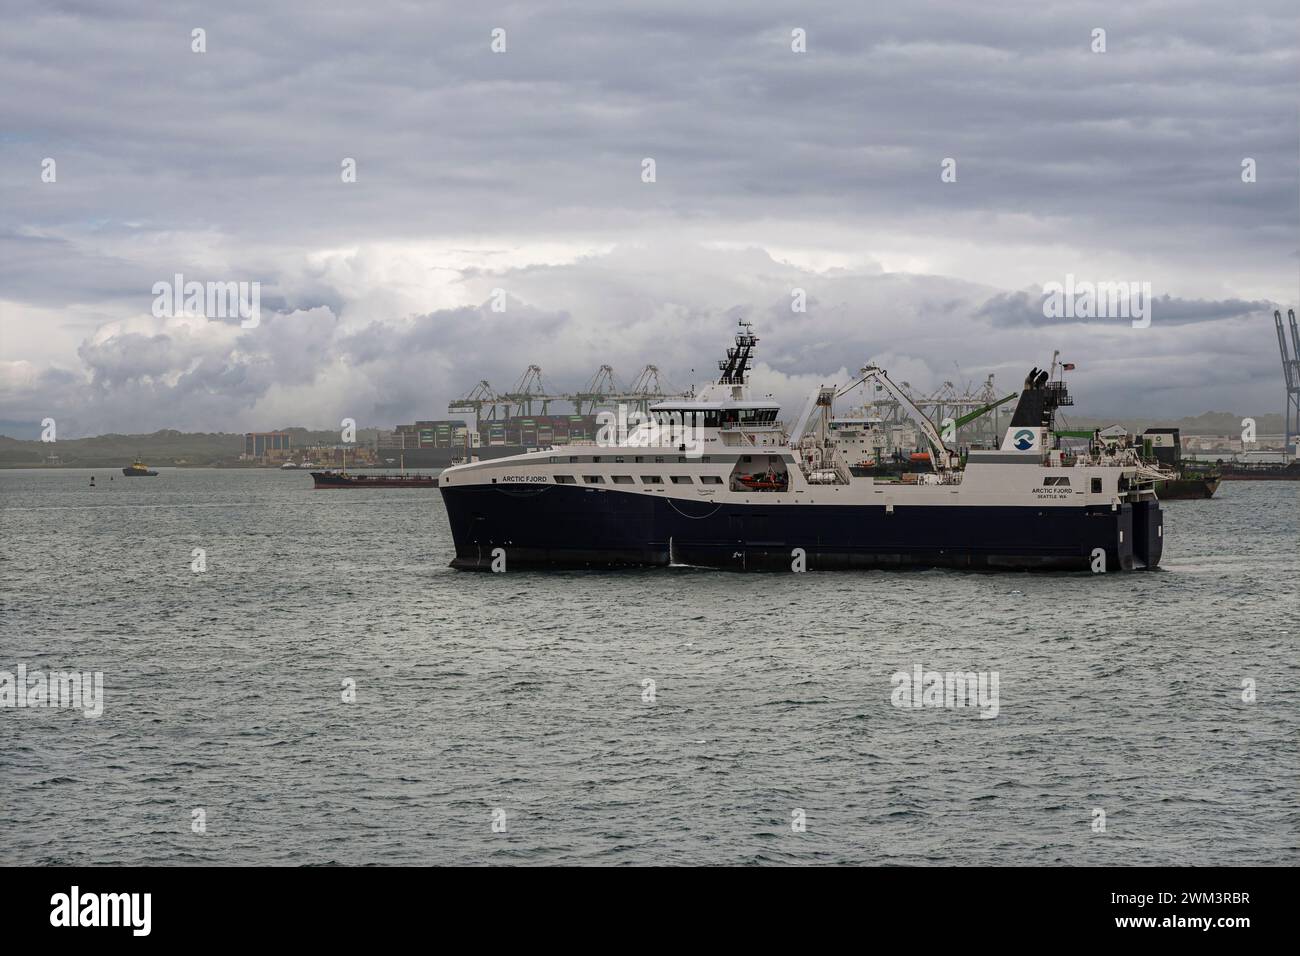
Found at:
(982, 410)
(942, 459)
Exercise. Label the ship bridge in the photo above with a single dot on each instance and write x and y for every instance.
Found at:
(727, 413)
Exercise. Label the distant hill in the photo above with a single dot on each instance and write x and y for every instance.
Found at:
(1209, 423)
(171, 448)
(168, 448)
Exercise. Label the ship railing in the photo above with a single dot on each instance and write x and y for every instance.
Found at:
(748, 432)
(822, 463)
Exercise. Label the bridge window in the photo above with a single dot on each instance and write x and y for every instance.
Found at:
(708, 418)
(739, 417)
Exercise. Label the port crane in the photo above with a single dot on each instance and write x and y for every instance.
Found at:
(480, 396)
(600, 390)
(1291, 375)
(948, 402)
(527, 390)
(647, 389)
(596, 391)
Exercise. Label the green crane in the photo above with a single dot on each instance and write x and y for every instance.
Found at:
(971, 416)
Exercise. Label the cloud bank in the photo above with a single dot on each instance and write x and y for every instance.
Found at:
(522, 172)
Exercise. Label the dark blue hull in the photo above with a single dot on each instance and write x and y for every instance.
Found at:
(563, 526)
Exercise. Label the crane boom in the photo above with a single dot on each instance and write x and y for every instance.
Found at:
(1291, 373)
(971, 416)
(1295, 334)
(1288, 365)
(942, 459)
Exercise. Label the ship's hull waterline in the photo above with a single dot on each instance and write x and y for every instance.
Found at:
(573, 527)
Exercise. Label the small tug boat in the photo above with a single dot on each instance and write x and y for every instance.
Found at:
(138, 469)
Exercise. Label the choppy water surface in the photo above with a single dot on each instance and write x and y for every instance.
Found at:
(524, 692)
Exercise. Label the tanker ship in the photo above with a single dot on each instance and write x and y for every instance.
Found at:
(716, 481)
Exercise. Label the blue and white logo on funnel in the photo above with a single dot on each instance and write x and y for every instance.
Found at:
(1023, 440)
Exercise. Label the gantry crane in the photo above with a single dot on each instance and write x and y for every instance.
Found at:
(530, 392)
(1290, 375)
(480, 396)
(595, 393)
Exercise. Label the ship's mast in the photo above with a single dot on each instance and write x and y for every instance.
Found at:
(735, 366)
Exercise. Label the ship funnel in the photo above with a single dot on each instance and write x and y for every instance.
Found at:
(1030, 408)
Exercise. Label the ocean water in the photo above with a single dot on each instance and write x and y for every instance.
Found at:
(507, 718)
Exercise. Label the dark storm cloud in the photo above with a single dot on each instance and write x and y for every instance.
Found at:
(452, 330)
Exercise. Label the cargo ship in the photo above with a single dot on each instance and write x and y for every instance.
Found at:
(444, 457)
(1260, 471)
(344, 479)
(438, 444)
(715, 481)
(1187, 486)
(138, 469)
(1164, 446)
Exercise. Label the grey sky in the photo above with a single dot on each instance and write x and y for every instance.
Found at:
(521, 171)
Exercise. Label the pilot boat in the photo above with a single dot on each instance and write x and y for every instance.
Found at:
(138, 469)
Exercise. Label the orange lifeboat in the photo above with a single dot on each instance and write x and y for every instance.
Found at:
(772, 481)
